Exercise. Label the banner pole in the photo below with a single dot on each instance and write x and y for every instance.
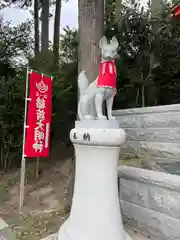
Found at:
(50, 136)
(23, 160)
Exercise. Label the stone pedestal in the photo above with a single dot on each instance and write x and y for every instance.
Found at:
(95, 212)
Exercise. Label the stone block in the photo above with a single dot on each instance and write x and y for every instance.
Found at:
(163, 135)
(158, 160)
(148, 177)
(129, 121)
(165, 201)
(153, 223)
(134, 192)
(132, 134)
(160, 120)
(147, 110)
(160, 149)
(130, 147)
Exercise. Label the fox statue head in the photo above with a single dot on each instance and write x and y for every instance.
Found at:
(108, 50)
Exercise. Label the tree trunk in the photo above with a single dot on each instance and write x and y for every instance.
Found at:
(91, 29)
(143, 96)
(45, 26)
(36, 27)
(57, 32)
(155, 8)
(137, 97)
(118, 8)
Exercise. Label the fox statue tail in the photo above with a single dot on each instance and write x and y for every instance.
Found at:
(82, 86)
(82, 83)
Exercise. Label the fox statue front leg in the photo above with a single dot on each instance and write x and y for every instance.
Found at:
(85, 108)
(99, 99)
(109, 104)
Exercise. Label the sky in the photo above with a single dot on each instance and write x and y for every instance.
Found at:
(69, 15)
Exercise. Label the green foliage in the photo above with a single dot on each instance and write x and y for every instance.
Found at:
(15, 47)
(69, 45)
(15, 42)
(64, 102)
(149, 51)
(11, 120)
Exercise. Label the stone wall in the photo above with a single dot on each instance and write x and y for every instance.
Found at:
(150, 202)
(153, 133)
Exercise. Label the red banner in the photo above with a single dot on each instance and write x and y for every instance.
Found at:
(39, 116)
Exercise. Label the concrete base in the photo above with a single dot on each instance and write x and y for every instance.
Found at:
(134, 234)
(95, 212)
(63, 235)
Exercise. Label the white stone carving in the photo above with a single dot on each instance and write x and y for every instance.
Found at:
(92, 96)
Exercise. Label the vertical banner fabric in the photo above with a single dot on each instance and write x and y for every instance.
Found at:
(37, 139)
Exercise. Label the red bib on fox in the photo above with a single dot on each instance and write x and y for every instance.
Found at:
(107, 75)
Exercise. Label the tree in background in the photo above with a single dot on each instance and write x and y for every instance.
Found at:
(45, 26)
(36, 28)
(91, 30)
(56, 39)
(155, 8)
(15, 46)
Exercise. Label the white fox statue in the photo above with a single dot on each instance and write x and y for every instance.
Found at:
(103, 88)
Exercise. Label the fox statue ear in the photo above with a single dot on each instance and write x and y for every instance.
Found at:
(102, 42)
(114, 42)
